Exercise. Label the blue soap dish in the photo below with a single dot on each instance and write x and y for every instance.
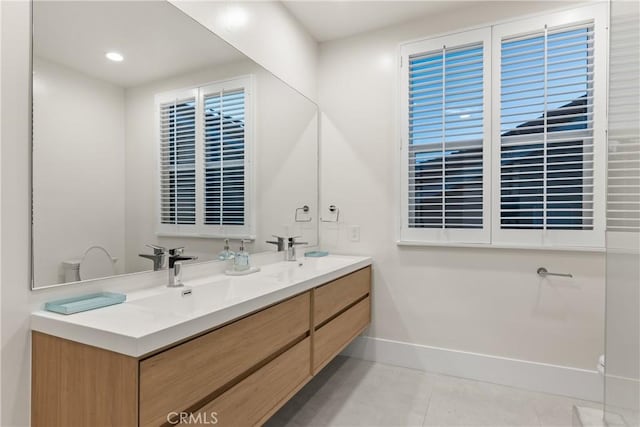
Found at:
(85, 302)
(316, 254)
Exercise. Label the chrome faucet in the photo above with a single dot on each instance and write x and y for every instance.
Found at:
(287, 245)
(280, 243)
(175, 266)
(158, 256)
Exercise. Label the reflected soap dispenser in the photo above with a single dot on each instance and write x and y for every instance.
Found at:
(227, 255)
(241, 260)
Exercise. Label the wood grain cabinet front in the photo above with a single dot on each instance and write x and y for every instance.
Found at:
(183, 377)
(236, 375)
(253, 400)
(331, 338)
(335, 296)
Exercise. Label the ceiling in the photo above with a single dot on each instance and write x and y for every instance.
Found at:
(156, 39)
(329, 20)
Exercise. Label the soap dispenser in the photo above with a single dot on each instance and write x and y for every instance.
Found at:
(241, 260)
(227, 254)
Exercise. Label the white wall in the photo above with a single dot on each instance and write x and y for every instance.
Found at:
(266, 33)
(488, 301)
(14, 284)
(286, 145)
(78, 161)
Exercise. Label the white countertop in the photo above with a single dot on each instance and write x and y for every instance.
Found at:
(156, 317)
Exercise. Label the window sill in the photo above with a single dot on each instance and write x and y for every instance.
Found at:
(501, 246)
(207, 236)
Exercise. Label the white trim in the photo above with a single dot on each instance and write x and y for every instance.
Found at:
(622, 392)
(502, 246)
(541, 377)
(509, 20)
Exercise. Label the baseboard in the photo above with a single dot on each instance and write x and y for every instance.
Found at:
(561, 380)
(623, 394)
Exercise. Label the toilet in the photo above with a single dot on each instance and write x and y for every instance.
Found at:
(95, 263)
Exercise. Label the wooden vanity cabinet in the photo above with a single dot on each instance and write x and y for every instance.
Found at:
(185, 376)
(341, 311)
(238, 374)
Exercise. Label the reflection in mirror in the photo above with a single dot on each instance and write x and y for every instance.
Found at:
(150, 130)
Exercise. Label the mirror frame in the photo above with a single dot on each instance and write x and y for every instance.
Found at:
(32, 279)
(30, 146)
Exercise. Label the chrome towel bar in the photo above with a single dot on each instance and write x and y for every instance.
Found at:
(543, 272)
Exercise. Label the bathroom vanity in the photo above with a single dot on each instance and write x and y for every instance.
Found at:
(222, 350)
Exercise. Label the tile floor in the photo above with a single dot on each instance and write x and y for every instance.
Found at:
(352, 392)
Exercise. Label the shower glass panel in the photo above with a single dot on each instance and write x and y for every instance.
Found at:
(622, 352)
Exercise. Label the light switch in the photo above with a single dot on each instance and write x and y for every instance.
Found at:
(354, 233)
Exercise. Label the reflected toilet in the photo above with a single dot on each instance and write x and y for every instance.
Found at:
(95, 263)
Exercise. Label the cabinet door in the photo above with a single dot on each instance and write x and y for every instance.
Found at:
(76, 385)
(332, 337)
(185, 376)
(252, 401)
(335, 296)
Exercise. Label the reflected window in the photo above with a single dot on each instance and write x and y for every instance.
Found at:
(204, 163)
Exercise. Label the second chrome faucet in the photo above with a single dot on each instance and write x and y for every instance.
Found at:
(175, 266)
(287, 245)
(175, 257)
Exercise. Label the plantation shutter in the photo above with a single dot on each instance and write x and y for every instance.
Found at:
(447, 139)
(546, 129)
(224, 156)
(178, 162)
(205, 168)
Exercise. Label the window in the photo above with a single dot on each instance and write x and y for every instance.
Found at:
(205, 142)
(447, 138)
(549, 126)
(504, 137)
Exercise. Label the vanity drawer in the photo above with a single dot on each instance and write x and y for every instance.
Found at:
(333, 297)
(331, 338)
(257, 397)
(182, 377)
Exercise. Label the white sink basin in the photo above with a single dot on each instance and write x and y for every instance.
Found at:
(195, 298)
(201, 296)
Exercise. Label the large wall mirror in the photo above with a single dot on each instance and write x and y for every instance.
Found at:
(148, 129)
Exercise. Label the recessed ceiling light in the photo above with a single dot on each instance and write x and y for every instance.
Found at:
(235, 17)
(114, 56)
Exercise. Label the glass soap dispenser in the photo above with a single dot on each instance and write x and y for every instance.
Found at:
(227, 254)
(241, 260)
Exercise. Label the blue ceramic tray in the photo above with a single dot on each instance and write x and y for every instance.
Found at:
(316, 254)
(85, 302)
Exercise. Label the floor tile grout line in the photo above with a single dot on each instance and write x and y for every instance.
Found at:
(426, 411)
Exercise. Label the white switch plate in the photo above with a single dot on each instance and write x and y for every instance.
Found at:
(354, 233)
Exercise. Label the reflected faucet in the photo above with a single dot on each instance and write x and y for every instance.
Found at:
(287, 245)
(158, 256)
(175, 266)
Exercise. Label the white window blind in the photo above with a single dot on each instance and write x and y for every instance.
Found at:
(224, 156)
(546, 133)
(178, 162)
(447, 138)
(205, 146)
(549, 169)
